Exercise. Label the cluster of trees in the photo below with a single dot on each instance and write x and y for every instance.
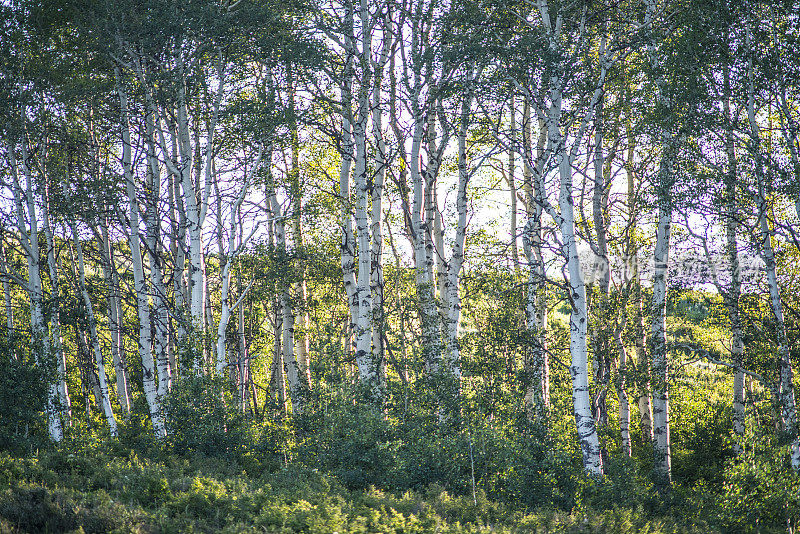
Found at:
(285, 195)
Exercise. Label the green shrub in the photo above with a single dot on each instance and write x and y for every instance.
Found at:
(199, 419)
(23, 393)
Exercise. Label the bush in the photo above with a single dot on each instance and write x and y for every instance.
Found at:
(761, 492)
(23, 393)
(199, 419)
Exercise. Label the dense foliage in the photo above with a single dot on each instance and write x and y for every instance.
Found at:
(399, 266)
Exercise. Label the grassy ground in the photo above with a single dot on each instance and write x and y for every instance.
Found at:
(100, 492)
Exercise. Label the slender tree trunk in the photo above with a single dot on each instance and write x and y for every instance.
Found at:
(422, 257)
(732, 295)
(368, 372)
(584, 422)
(104, 399)
(7, 302)
(642, 363)
(56, 342)
(160, 316)
(179, 284)
(115, 319)
(244, 357)
(301, 288)
(140, 285)
(602, 335)
(290, 362)
(376, 215)
(658, 340)
(452, 296)
(228, 255)
(512, 188)
(347, 152)
(537, 396)
(277, 380)
(622, 394)
(786, 396)
(29, 238)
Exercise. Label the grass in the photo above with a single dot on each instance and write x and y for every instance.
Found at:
(95, 491)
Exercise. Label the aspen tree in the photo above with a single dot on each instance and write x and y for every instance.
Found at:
(786, 396)
(115, 315)
(140, 285)
(102, 396)
(231, 252)
(56, 341)
(550, 23)
(28, 230)
(664, 183)
(537, 396)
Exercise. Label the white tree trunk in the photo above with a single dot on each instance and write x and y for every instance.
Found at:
(579, 368)
(376, 223)
(302, 346)
(115, 317)
(537, 395)
(658, 341)
(565, 218)
(7, 301)
(104, 399)
(160, 340)
(29, 238)
(56, 344)
(733, 293)
(451, 295)
(786, 396)
(231, 253)
(290, 363)
(140, 285)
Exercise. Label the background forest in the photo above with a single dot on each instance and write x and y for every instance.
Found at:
(399, 266)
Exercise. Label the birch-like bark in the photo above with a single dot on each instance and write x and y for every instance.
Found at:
(231, 253)
(368, 372)
(786, 396)
(160, 316)
(639, 336)
(631, 286)
(290, 364)
(7, 302)
(537, 395)
(244, 357)
(29, 239)
(347, 153)
(277, 380)
(115, 317)
(602, 335)
(56, 341)
(376, 215)
(451, 295)
(565, 218)
(661, 428)
(104, 399)
(512, 188)
(733, 294)
(301, 288)
(645, 400)
(579, 319)
(140, 285)
(658, 340)
(179, 284)
(421, 231)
